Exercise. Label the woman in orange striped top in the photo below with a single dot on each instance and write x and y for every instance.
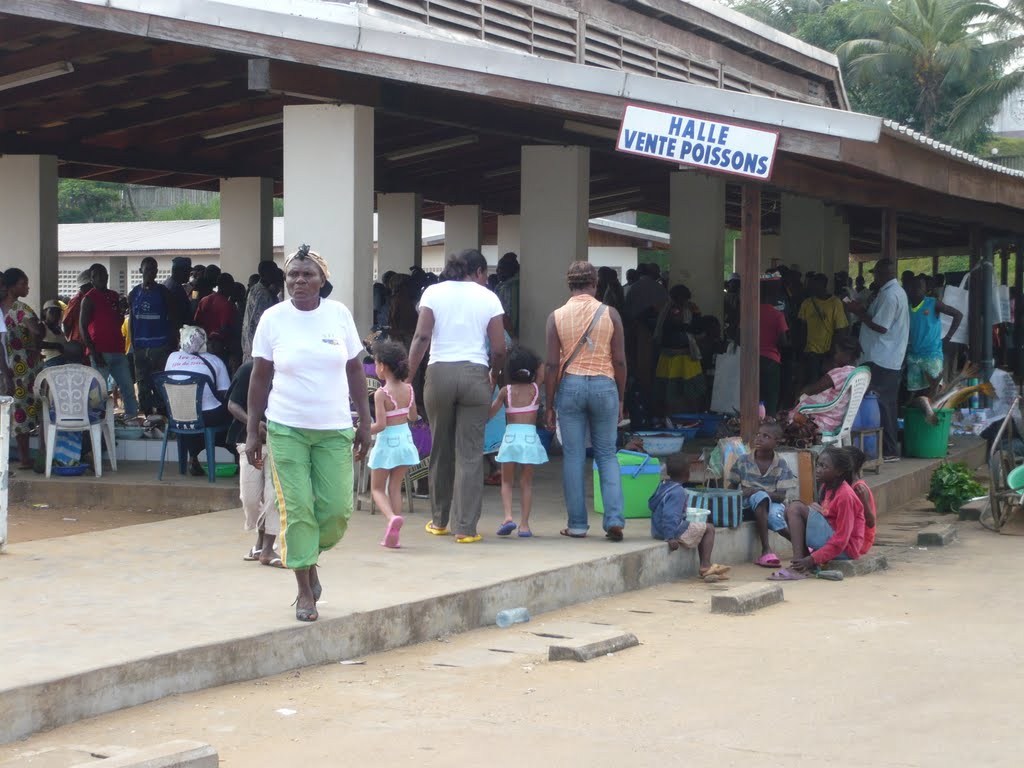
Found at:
(586, 365)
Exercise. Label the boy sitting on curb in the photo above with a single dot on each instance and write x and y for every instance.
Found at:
(834, 530)
(669, 523)
(764, 478)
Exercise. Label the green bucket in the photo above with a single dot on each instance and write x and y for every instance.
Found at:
(922, 440)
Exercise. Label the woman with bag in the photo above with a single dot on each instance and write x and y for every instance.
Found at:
(586, 367)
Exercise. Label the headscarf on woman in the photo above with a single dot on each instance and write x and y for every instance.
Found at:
(192, 340)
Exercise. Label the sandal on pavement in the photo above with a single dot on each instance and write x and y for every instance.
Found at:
(525, 534)
(614, 533)
(715, 570)
(468, 539)
(391, 534)
(784, 574)
(254, 554)
(571, 535)
(433, 530)
(506, 528)
(771, 560)
(274, 562)
(305, 614)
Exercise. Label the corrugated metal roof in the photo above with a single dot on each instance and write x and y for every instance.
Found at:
(908, 133)
(164, 236)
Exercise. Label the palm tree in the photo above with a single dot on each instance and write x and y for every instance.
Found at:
(1004, 31)
(937, 44)
(783, 15)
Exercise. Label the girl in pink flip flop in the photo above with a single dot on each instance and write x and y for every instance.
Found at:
(393, 451)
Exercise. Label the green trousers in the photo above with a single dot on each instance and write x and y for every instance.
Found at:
(312, 470)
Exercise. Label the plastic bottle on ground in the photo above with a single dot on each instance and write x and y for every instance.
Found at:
(510, 616)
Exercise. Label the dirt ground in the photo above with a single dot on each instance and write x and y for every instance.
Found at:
(918, 666)
(29, 522)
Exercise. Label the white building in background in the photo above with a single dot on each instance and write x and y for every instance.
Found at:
(121, 246)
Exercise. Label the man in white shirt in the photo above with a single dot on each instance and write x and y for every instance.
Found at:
(884, 333)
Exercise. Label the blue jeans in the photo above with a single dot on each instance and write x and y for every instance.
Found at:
(120, 371)
(592, 401)
(776, 511)
(819, 532)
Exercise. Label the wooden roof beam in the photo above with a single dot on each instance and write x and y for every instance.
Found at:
(102, 99)
(86, 43)
(114, 68)
(155, 112)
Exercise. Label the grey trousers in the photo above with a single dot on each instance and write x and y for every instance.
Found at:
(457, 397)
(886, 384)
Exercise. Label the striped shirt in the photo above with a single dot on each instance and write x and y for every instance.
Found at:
(571, 322)
(777, 478)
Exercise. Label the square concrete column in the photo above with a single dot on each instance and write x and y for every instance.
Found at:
(399, 232)
(463, 226)
(508, 234)
(837, 242)
(28, 222)
(803, 233)
(554, 210)
(697, 226)
(246, 225)
(328, 187)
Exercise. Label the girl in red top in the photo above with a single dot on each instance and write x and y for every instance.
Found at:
(834, 529)
(867, 499)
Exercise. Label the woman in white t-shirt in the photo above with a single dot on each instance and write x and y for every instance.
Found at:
(310, 350)
(458, 317)
(192, 357)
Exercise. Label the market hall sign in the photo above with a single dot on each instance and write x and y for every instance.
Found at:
(698, 142)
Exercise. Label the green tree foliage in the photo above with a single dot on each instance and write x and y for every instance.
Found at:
(922, 63)
(81, 202)
(934, 46)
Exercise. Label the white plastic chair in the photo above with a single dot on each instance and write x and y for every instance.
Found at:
(67, 390)
(857, 386)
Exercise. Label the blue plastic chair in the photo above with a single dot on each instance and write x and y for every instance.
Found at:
(182, 394)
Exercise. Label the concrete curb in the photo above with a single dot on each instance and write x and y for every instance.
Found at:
(936, 535)
(740, 601)
(870, 563)
(589, 651)
(31, 708)
(171, 754)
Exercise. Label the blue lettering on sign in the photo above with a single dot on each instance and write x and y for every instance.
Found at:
(698, 143)
(630, 139)
(675, 125)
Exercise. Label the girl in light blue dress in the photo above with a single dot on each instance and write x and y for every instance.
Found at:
(520, 445)
(393, 451)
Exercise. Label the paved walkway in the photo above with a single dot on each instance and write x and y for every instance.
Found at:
(109, 619)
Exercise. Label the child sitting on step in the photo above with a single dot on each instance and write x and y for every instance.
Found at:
(764, 478)
(668, 518)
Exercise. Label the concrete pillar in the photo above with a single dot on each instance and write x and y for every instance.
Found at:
(697, 226)
(28, 222)
(463, 226)
(508, 234)
(399, 232)
(555, 209)
(246, 225)
(803, 232)
(328, 187)
(837, 242)
(120, 269)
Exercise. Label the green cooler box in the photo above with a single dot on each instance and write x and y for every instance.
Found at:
(641, 475)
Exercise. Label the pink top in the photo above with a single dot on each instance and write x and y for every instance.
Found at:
(531, 408)
(396, 411)
(869, 533)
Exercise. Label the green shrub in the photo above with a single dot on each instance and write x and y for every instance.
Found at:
(952, 486)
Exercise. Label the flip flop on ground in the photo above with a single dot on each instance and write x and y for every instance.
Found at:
(722, 571)
(274, 562)
(391, 534)
(614, 533)
(506, 528)
(254, 554)
(770, 560)
(571, 535)
(784, 574)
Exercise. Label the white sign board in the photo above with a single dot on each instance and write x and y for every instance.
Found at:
(696, 141)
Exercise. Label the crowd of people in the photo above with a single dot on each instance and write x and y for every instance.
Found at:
(286, 370)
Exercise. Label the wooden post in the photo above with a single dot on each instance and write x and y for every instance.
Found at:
(935, 264)
(889, 237)
(1004, 270)
(750, 315)
(974, 305)
(1018, 279)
